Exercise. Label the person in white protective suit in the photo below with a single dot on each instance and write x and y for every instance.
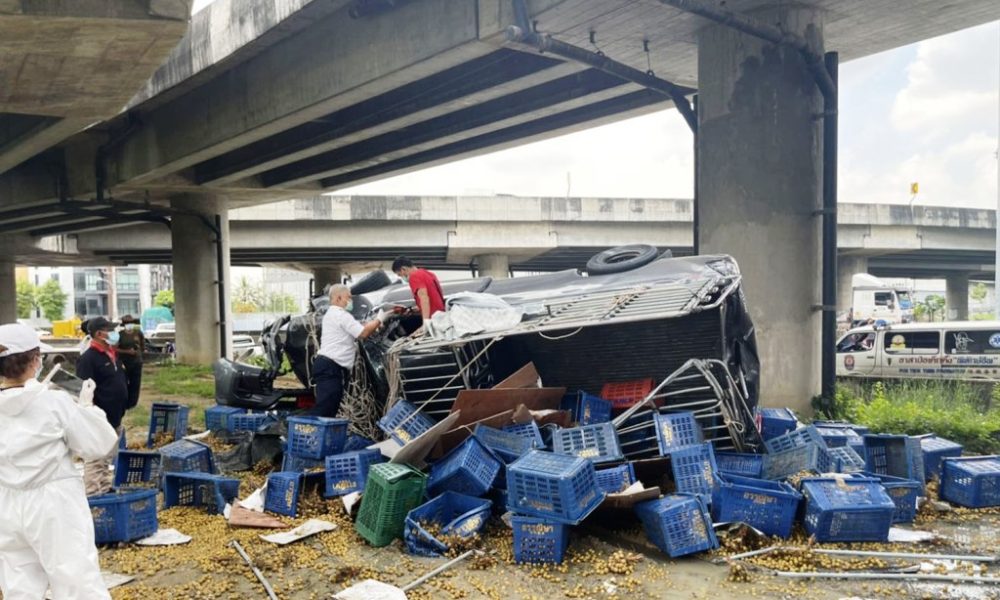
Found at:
(46, 529)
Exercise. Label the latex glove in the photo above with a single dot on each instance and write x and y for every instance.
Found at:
(86, 397)
(384, 316)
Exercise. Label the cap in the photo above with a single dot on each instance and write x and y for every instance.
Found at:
(129, 319)
(16, 338)
(100, 324)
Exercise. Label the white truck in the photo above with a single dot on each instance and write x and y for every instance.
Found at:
(876, 300)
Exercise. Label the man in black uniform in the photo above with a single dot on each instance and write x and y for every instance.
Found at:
(100, 362)
(131, 346)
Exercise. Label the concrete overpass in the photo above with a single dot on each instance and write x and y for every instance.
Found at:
(271, 99)
(326, 235)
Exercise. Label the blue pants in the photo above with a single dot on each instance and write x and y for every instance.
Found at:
(330, 379)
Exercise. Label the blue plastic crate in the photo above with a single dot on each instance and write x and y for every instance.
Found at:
(847, 459)
(356, 442)
(404, 423)
(776, 421)
(123, 516)
(859, 429)
(538, 540)
(507, 445)
(904, 494)
(597, 443)
(586, 408)
(552, 486)
(769, 506)
(217, 417)
(302, 465)
(285, 488)
(137, 469)
(678, 524)
(186, 456)
(199, 489)
(847, 510)
(740, 463)
(971, 481)
(250, 421)
(612, 480)
(795, 439)
(469, 468)
(347, 472)
(935, 449)
(452, 514)
(316, 437)
(896, 455)
(694, 470)
(811, 457)
(528, 431)
(676, 430)
(167, 418)
(835, 437)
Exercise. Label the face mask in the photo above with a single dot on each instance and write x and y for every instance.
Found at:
(405, 278)
(113, 337)
(131, 327)
(350, 306)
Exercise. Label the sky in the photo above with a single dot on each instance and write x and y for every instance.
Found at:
(925, 113)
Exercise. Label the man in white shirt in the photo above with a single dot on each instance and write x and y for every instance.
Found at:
(337, 350)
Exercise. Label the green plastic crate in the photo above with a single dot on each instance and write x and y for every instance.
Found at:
(391, 492)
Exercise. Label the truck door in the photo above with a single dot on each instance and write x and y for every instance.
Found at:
(885, 307)
(856, 354)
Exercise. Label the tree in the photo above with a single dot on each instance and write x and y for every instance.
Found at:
(281, 302)
(164, 298)
(248, 298)
(25, 299)
(934, 304)
(978, 292)
(51, 299)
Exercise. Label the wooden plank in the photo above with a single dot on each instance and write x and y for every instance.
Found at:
(479, 404)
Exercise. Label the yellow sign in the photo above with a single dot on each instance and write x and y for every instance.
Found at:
(915, 188)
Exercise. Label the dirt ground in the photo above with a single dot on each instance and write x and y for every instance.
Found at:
(608, 557)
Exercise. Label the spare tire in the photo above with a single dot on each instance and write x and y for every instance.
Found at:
(622, 258)
(375, 280)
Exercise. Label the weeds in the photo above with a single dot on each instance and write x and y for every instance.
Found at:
(183, 380)
(965, 413)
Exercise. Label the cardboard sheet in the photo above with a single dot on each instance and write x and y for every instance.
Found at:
(164, 537)
(242, 517)
(309, 528)
(525, 377)
(479, 404)
(415, 452)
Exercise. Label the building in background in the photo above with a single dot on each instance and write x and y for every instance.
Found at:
(104, 291)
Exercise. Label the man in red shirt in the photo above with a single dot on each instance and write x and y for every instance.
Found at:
(425, 286)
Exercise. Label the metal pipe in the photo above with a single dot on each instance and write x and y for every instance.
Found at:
(220, 262)
(768, 33)
(546, 43)
(891, 576)
(260, 576)
(694, 199)
(829, 325)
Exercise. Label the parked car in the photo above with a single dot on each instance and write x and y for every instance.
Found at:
(644, 316)
(163, 340)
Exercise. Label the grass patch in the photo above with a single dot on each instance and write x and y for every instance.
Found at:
(182, 380)
(965, 413)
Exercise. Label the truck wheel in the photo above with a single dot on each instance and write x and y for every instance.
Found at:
(622, 258)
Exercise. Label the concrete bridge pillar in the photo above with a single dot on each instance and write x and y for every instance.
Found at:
(324, 276)
(847, 267)
(197, 280)
(759, 183)
(496, 266)
(956, 296)
(8, 292)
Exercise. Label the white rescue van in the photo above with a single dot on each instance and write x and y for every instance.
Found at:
(968, 350)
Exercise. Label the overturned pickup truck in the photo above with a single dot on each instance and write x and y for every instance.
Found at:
(581, 332)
